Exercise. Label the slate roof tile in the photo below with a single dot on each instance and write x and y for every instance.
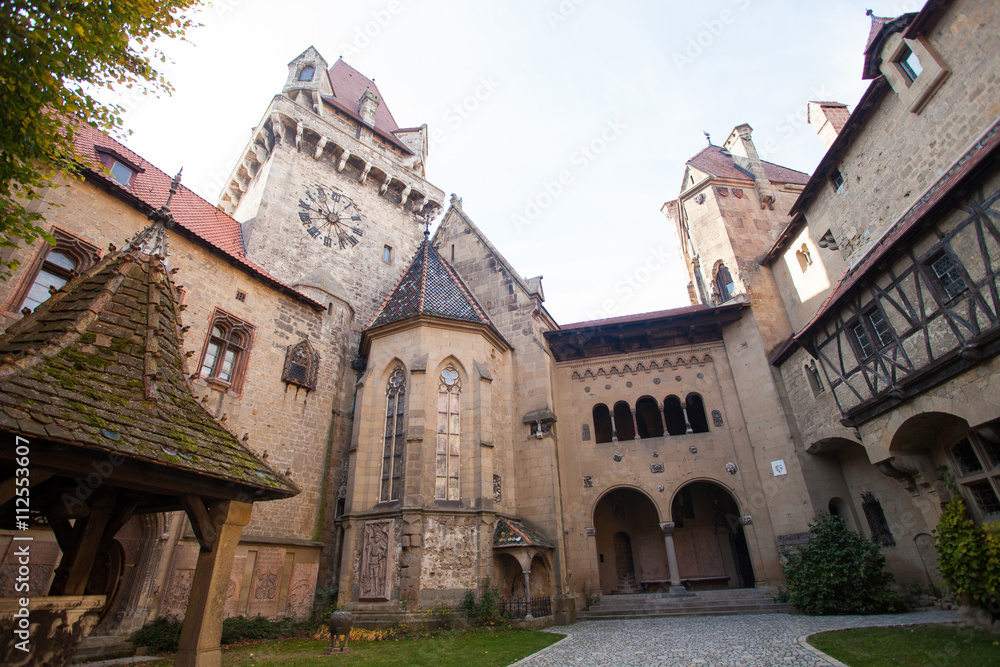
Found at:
(429, 286)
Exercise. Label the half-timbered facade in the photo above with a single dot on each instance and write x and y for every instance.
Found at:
(890, 369)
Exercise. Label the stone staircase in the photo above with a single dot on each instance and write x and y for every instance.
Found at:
(702, 603)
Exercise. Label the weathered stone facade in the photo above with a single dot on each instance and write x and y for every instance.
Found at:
(434, 403)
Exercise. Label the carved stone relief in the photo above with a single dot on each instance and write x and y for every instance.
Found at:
(375, 556)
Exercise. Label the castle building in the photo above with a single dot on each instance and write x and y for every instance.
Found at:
(838, 349)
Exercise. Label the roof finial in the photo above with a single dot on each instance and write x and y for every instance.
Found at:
(869, 12)
(708, 137)
(162, 214)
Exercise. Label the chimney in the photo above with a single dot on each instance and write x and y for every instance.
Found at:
(368, 104)
(828, 119)
(745, 156)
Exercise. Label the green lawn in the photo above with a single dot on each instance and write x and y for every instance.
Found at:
(479, 649)
(942, 645)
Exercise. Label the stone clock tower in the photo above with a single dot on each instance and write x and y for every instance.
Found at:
(331, 197)
(330, 191)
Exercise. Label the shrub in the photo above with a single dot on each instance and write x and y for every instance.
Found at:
(160, 636)
(839, 572)
(968, 555)
(484, 609)
(324, 604)
(163, 635)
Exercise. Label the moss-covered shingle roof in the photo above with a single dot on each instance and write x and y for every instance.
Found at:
(100, 366)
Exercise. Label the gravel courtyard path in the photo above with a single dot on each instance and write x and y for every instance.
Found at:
(731, 641)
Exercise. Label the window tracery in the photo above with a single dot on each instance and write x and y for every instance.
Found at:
(391, 486)
(448, 457)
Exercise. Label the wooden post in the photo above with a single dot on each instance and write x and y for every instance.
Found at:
(87, 535)
(202, 630)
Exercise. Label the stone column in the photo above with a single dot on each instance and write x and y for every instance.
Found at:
(635, 426)
(202, 630)
(687, 422)
(675, 573)
(527, 594)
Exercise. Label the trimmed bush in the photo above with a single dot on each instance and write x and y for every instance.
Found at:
(968, 555)
(839, 572)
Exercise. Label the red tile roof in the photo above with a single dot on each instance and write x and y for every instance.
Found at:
(348, 86)
(719, 162)
(197, 216)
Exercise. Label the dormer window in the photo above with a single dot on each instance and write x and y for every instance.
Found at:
(306, 73)
(120, 168)
(910, 64)
(122, 174)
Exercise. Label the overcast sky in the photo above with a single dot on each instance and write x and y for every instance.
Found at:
(563, 125)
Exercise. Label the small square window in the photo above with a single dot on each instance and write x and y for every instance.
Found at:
(837, 180)
(880, 328)
(241, 296)
(910, 64)
(387, 254)
(948, 275)
(121, 173)
(865, 346)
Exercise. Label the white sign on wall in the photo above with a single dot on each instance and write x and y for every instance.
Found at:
(778, 467)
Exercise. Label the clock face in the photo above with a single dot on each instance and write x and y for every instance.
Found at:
(330, 217)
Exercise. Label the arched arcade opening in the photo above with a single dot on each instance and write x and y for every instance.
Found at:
(712, 550)
(630, 549)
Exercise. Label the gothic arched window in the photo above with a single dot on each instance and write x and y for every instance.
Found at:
(53, 268)
(225, 354)
(395, 436)
(301, 365)
(449, 435)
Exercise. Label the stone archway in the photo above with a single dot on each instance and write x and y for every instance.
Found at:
(712, 550)
(508, 576)
(629, 539)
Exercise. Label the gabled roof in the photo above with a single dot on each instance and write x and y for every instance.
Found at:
(718, 162)
(348, 86)
(931, 202)
(194, 216)
(430, 286)
(513, 533)
(881, 29)
(99, 367)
